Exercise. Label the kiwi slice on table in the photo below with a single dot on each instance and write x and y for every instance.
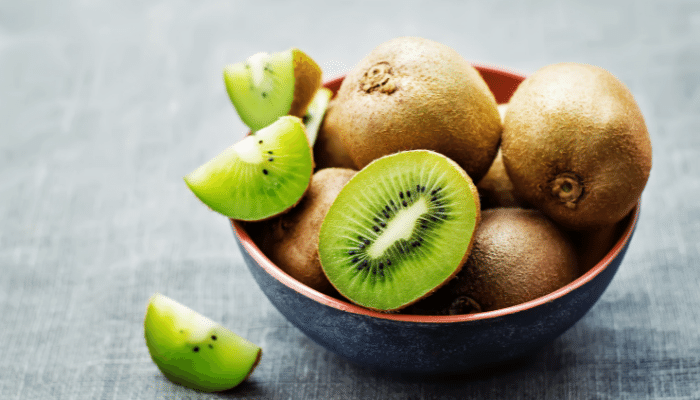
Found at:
(399, 229)
(269, 85)
(194, 351)
(315, 113)
(263, 175)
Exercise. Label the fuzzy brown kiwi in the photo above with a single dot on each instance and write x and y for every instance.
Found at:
(414, 93)
(292, 239)
(575, 145)
(518, 256)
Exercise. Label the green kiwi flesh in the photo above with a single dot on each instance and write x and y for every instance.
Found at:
(314, 114)
(269, 85)
(194, 351)
(399, 229)
(261, 176)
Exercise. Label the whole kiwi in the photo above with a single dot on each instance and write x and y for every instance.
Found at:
(575, 145)
(414, 93)
(291, 241)
(518, 255)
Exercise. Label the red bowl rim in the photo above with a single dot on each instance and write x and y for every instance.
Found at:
(281, 276)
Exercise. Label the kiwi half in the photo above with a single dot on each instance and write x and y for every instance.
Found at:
(269, 85)
(259, 177)
(399, 229)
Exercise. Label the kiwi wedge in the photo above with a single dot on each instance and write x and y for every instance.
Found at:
(269, 85)
(315, 113)
(399, 229)
(194, 351)
(263, 175)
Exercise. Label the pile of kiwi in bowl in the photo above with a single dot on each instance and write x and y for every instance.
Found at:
(443, 216)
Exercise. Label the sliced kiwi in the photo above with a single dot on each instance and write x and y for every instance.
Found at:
(399, 229)
(269, 85)
(194, 351)
(259, 177)
(315, 112)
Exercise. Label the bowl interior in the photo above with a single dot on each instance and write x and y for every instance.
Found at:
(502, 83)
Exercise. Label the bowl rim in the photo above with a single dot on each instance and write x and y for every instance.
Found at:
(342, 305)
(261, 259)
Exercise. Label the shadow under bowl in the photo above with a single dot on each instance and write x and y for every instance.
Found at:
(423, 344)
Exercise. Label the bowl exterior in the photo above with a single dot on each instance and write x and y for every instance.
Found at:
(431, 348)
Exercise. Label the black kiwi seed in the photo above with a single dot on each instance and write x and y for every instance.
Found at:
(408, 193)
(270, 159)
(211, 347)
(401, 194)
(195, 349)
(382, 224)
(265, 171)
(352, 252)
(260, 141)
(269, 152)
(376, 228)
(404, 203)
(213, 337)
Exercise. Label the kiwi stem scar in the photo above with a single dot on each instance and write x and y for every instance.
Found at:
(568, 188)
(400, 227)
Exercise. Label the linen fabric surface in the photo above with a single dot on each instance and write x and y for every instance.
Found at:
(105, 106)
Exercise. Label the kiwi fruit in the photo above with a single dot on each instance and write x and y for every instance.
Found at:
(414, 93)
(269, 85)
(292, 240)
(399, 229)
(575, 145)
(194, 351)
(518, 256)
(315, 113)
(261, 176)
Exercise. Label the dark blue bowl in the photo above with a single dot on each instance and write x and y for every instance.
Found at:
(434, 344)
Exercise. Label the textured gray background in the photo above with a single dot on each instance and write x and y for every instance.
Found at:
(104, 106)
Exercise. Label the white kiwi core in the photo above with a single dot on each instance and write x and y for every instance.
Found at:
(400, 227)
(248, 150)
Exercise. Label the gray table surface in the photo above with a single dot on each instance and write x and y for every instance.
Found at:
(104, 106)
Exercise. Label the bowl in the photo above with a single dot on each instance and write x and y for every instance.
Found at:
(424, 344)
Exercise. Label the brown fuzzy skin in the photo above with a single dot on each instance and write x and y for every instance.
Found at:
(518, 256)
(307, 80)
(578, 125)
(292, 240)
(329, 151)
(413, 93)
